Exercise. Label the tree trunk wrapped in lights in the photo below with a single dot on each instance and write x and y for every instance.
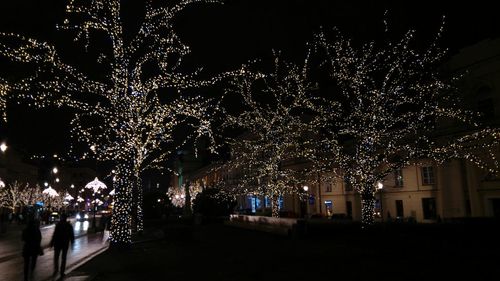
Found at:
(139, 226)
(119, 112)
(275, 205)
(387, 111)
(121, 232)
(367, 206)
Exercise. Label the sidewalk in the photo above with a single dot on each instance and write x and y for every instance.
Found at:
(84, 248)
(11, 244)
(218, 252)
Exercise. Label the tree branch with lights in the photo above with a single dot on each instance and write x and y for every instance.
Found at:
(278, 119)
(120, 112)
(388, 106)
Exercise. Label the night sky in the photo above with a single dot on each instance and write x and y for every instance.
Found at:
(222, 37)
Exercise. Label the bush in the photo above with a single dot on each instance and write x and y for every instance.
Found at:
(210, 203)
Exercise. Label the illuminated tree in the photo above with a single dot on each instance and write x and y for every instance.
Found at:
(388, 107)
(178, 195)
(31, 194)
(11, 196)
(278, 121)
(121, 112)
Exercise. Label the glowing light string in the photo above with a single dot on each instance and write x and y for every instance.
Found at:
(389, 110)
(121, 116)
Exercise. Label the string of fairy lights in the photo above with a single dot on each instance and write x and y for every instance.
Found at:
(177, 196)
(384, 115)
(17, 195)
(4, 88)
(388, 111)
(276, 130)
(120, 117)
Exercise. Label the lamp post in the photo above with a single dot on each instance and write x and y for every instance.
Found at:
(306, 189)
(380, 188)
(79, 200)
(67, 199)
(3, 148)
(96, 187)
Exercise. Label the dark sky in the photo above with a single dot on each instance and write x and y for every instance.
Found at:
(224, 36)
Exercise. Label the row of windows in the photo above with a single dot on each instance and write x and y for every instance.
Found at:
(427, 179)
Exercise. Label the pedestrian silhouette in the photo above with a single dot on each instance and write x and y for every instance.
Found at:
(63, 235)
(32, 238)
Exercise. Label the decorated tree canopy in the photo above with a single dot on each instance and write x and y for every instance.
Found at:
(385, 112)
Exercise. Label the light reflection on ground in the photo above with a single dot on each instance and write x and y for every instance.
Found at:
(79, 226)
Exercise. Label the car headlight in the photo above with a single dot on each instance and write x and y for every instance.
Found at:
(86, 216)
(78, 216)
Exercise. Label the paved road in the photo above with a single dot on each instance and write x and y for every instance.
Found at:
(86, 245)
(11, 244)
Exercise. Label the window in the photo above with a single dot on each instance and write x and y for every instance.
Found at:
(329, 207)
(328, 188)
(267, 202)
(348, 205)
(495, 205)
(347, 184)
(398, 178)
(429, 208)
(399, 209)
(252, 203)
(427, 175)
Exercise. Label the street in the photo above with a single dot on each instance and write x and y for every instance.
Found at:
(11, 261)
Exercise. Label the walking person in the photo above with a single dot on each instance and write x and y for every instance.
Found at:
(32, 237)
(63, 235)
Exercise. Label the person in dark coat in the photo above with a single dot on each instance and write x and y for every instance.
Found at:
(63, 235)
(32, 238)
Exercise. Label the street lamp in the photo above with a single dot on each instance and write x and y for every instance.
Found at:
(306, 189)
(380, 188)
(67, 199)
(3, 147)
(79, 200)
(96, 187)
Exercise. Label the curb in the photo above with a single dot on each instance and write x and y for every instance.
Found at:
(74, 266)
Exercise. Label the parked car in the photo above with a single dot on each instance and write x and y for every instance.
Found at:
(82, 216)
(54, 217)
